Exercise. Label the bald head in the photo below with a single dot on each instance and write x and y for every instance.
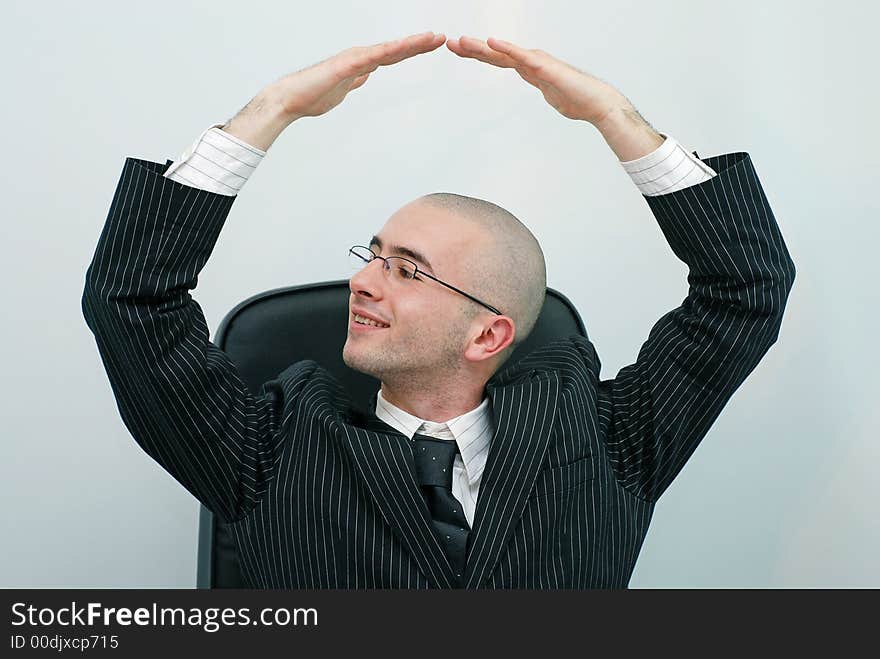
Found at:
(507, 270)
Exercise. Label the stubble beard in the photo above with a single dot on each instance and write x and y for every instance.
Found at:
(420, 361)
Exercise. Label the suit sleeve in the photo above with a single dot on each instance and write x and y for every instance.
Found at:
(657, 410)
(178, 394)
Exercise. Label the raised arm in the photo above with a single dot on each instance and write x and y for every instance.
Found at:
(178, 394)
(655, 412)
(716, 218)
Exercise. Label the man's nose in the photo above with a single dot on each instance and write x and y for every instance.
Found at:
(369, 280)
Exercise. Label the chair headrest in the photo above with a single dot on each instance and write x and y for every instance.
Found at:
(268, 332)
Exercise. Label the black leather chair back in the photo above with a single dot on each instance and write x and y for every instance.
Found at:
(270, 331)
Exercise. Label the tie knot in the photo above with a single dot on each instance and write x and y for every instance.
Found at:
(434, 429)
(433, 460)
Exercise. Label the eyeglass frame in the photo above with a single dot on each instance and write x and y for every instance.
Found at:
(387, 267)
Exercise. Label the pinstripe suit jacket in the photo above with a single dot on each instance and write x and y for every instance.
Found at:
(323, 495)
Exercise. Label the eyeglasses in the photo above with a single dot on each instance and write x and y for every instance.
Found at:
(402, 270)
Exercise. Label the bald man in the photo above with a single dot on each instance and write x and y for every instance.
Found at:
(461, 475)
(487, 252)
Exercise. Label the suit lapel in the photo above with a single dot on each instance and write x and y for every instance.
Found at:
(523, 412)
(524, 403)
(383, 456)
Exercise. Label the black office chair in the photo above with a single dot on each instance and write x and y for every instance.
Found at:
(267, 332)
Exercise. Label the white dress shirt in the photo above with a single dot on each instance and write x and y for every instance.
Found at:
(471, 431)
(221, 163)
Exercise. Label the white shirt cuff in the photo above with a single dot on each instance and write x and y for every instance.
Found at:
(670, 167)
(216, 162)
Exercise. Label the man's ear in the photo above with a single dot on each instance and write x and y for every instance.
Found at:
(492, 339)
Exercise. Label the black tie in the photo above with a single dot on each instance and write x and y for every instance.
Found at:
(433, 461)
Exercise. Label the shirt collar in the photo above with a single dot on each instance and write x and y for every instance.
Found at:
(472, 431)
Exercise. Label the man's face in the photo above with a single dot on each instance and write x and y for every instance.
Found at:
(427, 323)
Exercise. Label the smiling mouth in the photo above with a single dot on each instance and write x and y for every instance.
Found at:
(360, 322)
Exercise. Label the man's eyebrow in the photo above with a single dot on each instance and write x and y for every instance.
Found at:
(405, 251)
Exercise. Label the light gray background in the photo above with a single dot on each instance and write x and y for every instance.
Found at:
(783, 490)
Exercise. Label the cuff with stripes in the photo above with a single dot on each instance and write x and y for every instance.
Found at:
(216, 162)
(667, 169)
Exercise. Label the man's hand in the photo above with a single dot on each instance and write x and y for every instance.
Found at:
(319, 88)
(574, 93)
(322, 86)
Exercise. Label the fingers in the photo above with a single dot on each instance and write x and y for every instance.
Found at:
(477, 49)
(395, 51)
(531, 58)
(367, 59)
